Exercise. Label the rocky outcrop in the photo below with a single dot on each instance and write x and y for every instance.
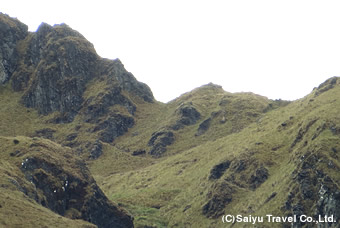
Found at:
(316, 193)
(328, 203)
(258, 177)
(46, 133)
(63, 62)
(302, 131)
(96, 150)
(219, 197)
(11, 32)
(70, 192)
(319, 196)
(55, 65)
(105, 101)
(113, 127)
(54, 69)
(218, 170)
(247, 174)
(203, 127)
(159, 141)
(325, 86)
(117, 73)
(187, 115)
(138, 152)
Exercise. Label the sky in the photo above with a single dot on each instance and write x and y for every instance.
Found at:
(278, 49)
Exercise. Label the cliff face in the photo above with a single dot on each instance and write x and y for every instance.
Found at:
(55, 178)
(62, 62)
(52, 69)
(12, 31)
(54, 66)
(58, 71)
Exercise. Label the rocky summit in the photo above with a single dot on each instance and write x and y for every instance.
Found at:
(84, 144)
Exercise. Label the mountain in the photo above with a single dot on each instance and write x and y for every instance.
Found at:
(84, 144)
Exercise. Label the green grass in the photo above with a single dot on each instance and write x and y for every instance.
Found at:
(19, 211)
(16, 208)
(186, 166)
(170, 191)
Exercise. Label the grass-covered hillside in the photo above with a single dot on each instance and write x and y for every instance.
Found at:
(257, 157)
(84, 144)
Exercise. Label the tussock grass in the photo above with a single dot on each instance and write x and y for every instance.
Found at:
(170, 191)
(178, 183)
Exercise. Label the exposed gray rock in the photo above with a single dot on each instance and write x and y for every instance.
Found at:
(306, 183)
(11, 32)
(325, 86)
(297, 210)
(112, 97)
(203, 127)
(54, 67)
(218, 170)
(239, 166)
(187, 115)
(63, 192)
(302, 131)
(260, 176)
(219, 197)
(328, 203)
(97, 150)
(64, 62)
(116, 72)
(113, 127)
(159, 141)
(138, 152)
(46, 133)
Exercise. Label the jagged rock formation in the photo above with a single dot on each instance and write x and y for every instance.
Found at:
(159, 141)
(53, 177)
(113, 127)
(72, 193)
(12, 31)
(53, 67)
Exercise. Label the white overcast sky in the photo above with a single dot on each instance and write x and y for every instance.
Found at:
(279, 49)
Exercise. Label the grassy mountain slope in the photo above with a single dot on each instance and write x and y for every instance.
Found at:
(272, 159)
(246, 130)
(17, 207)
(70, 120)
